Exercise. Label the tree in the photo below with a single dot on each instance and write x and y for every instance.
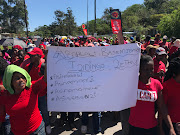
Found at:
(43, 31)
(12, 17)
(155, 4)
(170, 24)
(64, 23)
(69, 22)
(136, 18)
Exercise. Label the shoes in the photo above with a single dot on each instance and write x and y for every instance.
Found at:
(83, 129)
(48, 129)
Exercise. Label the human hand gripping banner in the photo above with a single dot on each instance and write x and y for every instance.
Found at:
(92, 79)
(116, 21)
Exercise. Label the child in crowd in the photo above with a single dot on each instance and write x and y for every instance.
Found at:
(142, 117)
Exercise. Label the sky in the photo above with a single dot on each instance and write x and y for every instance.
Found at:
(41, 12)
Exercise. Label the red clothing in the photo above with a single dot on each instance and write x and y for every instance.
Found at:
(162, 44)
(23, 109)
(125, 42)
(27, 61)
(170, 45)
(17, 62)
(13, 59)
(34, 73)
(26, 57)
(157, 42)
(171, 92)
(2, 109)
(146, 44)
(159, 66)
(173, 49)
(143, 114)
(1, 81)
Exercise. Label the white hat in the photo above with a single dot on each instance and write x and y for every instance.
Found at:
(31, 47)
(177, 43)
(160, 51)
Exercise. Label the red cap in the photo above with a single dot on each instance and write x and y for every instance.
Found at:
(35, 51)
(18, 47)
(43, 45)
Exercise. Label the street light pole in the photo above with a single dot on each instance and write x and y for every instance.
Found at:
(87, 16)
(26, 18)
(95, 16)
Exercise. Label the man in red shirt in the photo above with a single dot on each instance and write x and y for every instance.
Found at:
(157, 39)
(164, 44)
(159, 66)
(148, 37)
(34, 70)
(175, 47)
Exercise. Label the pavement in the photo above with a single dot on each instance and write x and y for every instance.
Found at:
(109, 124)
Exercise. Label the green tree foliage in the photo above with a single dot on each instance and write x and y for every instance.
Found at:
(136, 18)
(142, 18)
(12, 16)
(64, 24)
(170, 24)
(43, 31)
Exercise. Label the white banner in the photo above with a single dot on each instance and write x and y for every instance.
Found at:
(92, 79)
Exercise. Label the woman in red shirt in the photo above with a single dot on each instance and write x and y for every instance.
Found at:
(21, 101)
(171, 92)
(142, 117)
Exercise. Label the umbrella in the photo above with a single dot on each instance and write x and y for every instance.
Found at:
(64, 37)
(12, 42)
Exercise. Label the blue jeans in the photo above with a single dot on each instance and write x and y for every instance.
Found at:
(96, 121)
(39, 131)
(42, 104)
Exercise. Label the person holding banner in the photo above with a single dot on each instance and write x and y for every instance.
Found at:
(142, 117)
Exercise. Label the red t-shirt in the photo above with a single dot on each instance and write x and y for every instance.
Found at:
(171, 92)
(2, 109)
(173, 49)
(146, 44)
(23, 109)
(143, 114)
(157, 42)
(162, 44)
(17, 62)
(158, 66)
(34, 72)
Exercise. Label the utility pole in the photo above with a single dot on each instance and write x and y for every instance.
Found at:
(95, 16)
(87, 16)
(26, 18)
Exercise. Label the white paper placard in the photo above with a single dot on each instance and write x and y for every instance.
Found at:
(92, 79)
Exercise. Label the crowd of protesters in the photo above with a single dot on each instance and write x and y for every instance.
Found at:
(23, 88)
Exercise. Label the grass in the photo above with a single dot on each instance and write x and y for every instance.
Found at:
(1, 47)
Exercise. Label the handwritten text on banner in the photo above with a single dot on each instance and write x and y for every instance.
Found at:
(92, 78)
